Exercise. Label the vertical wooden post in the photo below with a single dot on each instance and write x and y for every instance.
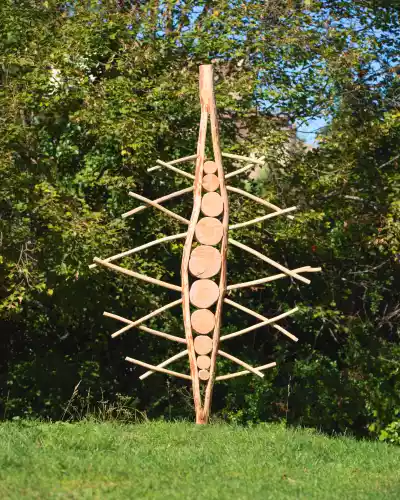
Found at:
(208, 108)
(224, 243)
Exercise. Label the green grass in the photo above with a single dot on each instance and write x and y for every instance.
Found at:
(182, 461)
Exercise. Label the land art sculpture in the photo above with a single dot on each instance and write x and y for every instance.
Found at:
(202, 293)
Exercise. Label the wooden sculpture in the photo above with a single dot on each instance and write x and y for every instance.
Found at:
(203, 299)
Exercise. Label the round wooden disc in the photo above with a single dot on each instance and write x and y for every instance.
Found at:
(203, 344)
(204, 374)
(212, 204)
(205, 261)
(203, 362)
(203, 321)
(210, 182)
(204, 293)
(209, 231)
(210, 167)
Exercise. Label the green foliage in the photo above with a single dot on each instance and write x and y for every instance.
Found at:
(92, 93)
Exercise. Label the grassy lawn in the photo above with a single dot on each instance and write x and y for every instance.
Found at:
(181, 461)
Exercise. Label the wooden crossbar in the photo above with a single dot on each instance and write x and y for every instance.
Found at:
(242, 169)
(243, 158)
(159, 201)
(142, 247)
(255, 198)
(269, 261)
(157, 369)
(305, 269)
(259, 325)
(131, 324)
(241, 363)
(165, 363)
(177, 170)
(160, 207)
(139, 276)
(173, 162)
(244, 372)
(167, 336)
(262, 218)
(261, 317)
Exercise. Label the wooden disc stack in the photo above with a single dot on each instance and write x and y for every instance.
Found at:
(205, 263)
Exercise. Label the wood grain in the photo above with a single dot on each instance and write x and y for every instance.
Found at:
(203, 321)
(212, 205)
(204, 293)
(209, 231)
(210, 167)
(204, 375)
(203, 362)
(203, 344)
(205, 261)
(210, 182)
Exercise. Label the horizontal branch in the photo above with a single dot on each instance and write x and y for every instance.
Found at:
(173, 162)
(261, 317)
(177, 170)
(269, 261)
(306, 269)
(158, 200)
(240, 362)
(256, 198)
(165, 363)
(160, 207)
(243, 158)
(142, 247)
(259, 325)
(139, 276)
(157, 369)
(262, 218)
(167, 336)
(244, 372)
(131, 324)
(241, 170)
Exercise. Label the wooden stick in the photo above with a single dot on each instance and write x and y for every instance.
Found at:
(146, 329)
(159, 200)
(270, 261)
(259, 316)
(241, 363)
(243, 158)
(177, 170)
(201, 143)
(241, 170)
(259, 325)
(139, 276)
(173, 162)
(165, 363)
(306, 269)
(131, 324)
(157, 369)
(212, 109)
(160, 207)
(142, 247)
(244, 372)
(255, 198)
(264, 217)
